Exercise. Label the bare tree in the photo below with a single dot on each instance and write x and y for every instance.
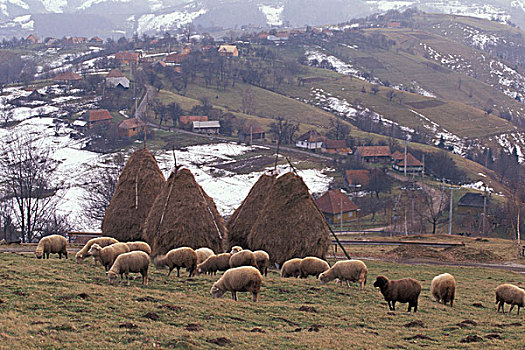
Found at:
(432, 204)
(28, 177)
(101, 187)
(249, 101)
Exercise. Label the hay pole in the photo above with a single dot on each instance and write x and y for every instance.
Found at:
(339, 243)
(165, 205)
(211, 214)
(290, 163)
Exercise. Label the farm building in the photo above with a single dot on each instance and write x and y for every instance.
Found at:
(116, 78)
(208, 127)
(183, 215)
(336, 147)
(126, 57)
(336, 206)
(413, 165)
(67, 77)
(290, 224)
(138, 185)
(131, 127)
(187, 120)
(374, 154)
(311, 140)
(357, 178)
(228, 50)
(251, 132)
(98, 117)
(472, 203)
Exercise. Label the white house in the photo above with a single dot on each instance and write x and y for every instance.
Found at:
(116, 78)
(311, 140)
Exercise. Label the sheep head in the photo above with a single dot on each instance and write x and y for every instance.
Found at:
(78, 258)
(39, 254)
(381, 282)
(324, 278)
(95, 250)
(216, 292)
(112, 276)
(235, 249)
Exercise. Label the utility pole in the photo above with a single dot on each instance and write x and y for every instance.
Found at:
(484, 209)
(518, 231)
(423, 171)
(341, 218)
(405, 167)
(251, 135)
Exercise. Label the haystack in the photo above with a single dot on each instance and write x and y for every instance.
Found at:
(138, 185)
(243, 219)
(183, 215)
(290, 225)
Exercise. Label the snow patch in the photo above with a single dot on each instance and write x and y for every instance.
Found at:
(274, 15)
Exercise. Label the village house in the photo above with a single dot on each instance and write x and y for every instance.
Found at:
(131, 127)
(126, 57)
(251, 132)
(336, 206)
(33, 39)
(413, 165)
(374, 154)
(472, 204)
(312, 140)
(336, 147)
(174, 59)
(228, 50)
(96, 40)
(359, 178)
(67, 77)
(116, 78)
(206, 127)
(98, 117)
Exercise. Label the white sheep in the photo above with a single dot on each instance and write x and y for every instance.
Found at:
(313, 266)
(348, 270)
(203, 254)
(235, 249)
(101, 241)
(177, 258)
(510, 294)
(135, 261)
(52, 244)
(291, 268)
(262, 260)
(243, 258)
(219, 262)
(107, 255)
(139, 246)
(443, 288)
(239, 279)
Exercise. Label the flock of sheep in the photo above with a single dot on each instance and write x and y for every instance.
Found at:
(244, 270)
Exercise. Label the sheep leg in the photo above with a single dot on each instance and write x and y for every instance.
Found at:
(511, 307)
(127, 278)
(254, 297)
(347, 283)
(415, 306)
(393, 305)
(234, 295)
(178, 271)
(169, 272)
(65, 254)
(60, 255)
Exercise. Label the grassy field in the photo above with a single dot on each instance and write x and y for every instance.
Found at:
(55, 303)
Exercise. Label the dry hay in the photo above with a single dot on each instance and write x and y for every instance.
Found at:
(138, 185)
(243, 219)
(183, 215)
(459, 254)
(290, 225)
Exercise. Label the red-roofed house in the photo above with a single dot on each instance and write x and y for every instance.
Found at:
(358, 178)
(98, 117)
(311, 140)
(175, 59)
(189, 119)
(336, 147)
(96, 39)
(397, 155)
(374, 153)
(33, 39)
(413, 165)
(336, 206)
(67, 77)
(126, 57)
(130, 127)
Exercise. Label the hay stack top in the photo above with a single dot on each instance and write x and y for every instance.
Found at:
(183, 215)
(243, 219)
(138, 185)
(290, 225)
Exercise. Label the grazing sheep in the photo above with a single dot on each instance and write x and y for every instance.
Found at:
(239, 279)
(348, 270)
(203, 254)
(291, 268)
(139, 246)
(405, 290)
(52, 244)
(243, 258)
(101, 241)
(107, 255)
(135, 261)
(262, 260)
(510, 294)
(214, 263)
(177, 258)
(443, 288)
(313, 266)
(235, 249)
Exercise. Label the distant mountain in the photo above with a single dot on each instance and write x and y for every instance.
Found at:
(108, 18)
